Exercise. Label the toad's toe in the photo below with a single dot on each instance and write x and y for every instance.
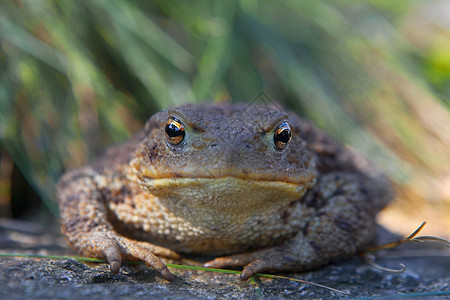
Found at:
(253, 268)
(113, 256)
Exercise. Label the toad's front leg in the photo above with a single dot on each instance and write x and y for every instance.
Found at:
(341, 222)
(86, 228)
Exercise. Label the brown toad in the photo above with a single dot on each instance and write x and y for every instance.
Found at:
(249, 181)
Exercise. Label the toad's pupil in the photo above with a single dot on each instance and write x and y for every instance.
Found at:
(282, 136)
(174, 132)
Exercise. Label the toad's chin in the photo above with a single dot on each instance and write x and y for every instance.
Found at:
(229, 196)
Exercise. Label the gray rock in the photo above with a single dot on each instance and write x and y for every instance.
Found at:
(31, 278)
(427, 276)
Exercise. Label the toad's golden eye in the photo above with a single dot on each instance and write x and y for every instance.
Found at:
(282, 135)
(175, 132)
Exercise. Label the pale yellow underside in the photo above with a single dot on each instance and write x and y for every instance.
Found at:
(226, 198)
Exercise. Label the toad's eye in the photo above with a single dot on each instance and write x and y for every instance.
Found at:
(175, 132)
(282, 135)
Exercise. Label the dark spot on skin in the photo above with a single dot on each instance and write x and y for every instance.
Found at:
(317, 248)
(321, 214)
(288, 258)
(72, 199)
(364, 190)
(315, 200)
(91, 225)
(116, 196)
(291, 158)
(358, 210)
(73, 224)
(338, 192)
(124, 191)
(305, 229)
(152, 153)
(77, 176)
(344, 225)
(106, 193)
(285, 214)
(175, 175)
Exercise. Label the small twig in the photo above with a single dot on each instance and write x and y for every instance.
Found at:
(370, 259)
(433, 239)
(416, 232)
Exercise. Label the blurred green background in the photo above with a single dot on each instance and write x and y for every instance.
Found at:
(76, 76)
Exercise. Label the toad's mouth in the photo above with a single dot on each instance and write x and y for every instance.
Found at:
(228, 194)
(225, 181)
(305, 177)
(152, 176)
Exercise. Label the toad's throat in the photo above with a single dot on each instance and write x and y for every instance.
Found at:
(235, 199)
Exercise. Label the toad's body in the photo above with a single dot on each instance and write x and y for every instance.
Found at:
(252, 181)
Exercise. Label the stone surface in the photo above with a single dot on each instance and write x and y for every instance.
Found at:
(29, 278)
(427, 275)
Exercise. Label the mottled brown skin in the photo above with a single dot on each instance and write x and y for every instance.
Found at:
(224, 190)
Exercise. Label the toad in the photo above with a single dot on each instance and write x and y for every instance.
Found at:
(251, 185)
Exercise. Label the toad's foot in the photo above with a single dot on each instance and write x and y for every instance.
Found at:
(298, 254)
(272, 260)
(115, 248)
